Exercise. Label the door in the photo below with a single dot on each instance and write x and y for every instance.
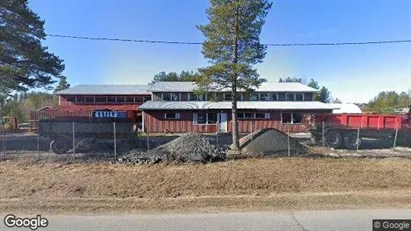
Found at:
(222, 122)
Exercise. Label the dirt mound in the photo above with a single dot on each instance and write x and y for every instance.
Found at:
(269, 142)
(190, 147)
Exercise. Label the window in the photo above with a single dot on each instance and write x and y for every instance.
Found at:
(291, 118)
(138, 99)
(227, 96)
(111, 99)
(290, 96)
(171, 96)
(211, 96)
(299, 97)
(250, 115)
(171, 115)
(101, 99)
(264, 97)
(130, 99)
(212, 118)
(194, 97)
(80, 99)
(121, 99)
(281, 96)
(89, 99)
(273, 97)
(239, 96)
(253, 97)
(204, 118)
(70, 98)
(308, 96)
(145, 99)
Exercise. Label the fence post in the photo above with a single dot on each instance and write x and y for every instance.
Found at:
(323, 133)
(358, 139)
(74, 139)
(38, 143)
(288, 141)
(115, 140)
(148, 135)
(395, 138)
(4, 140)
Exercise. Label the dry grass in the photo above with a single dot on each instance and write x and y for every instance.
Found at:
(234, 184)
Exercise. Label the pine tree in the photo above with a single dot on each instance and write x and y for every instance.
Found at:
(63, 84)
(24, 62)
(232, 47)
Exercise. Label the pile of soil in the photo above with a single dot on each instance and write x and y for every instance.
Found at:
(190, 147)
(271, 142)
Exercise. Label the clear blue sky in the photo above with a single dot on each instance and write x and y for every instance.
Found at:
(352, 73)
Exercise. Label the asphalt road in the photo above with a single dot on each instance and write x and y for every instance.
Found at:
(299, 221)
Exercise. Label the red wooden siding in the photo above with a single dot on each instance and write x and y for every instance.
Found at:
(154, 122)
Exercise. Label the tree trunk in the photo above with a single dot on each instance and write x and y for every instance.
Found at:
(235, 145)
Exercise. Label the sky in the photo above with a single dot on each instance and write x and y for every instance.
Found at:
(351, 73)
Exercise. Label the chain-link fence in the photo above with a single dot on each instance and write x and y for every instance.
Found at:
(116, 138)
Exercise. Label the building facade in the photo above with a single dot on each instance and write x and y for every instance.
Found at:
(176, 108)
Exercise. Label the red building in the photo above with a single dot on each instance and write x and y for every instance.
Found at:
(83, 100)
(175, 108)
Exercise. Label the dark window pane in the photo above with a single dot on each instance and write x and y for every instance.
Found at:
(299, 97)
(172, 115)
(79, 99)
(175, 96)
(201, 118)
(308, 96)
(70, 98)
(274, 97)
(249, 115)
(281, 96)
(121, 99)
(111, 99)
(286, 118)
(167, 96)
(211, 96)
(227, 96)
(193, 97)
(130, 99)
(138, 99)
(212, 118)
(101, 99)
(201, 97)
(290, 96)
(297, 118)
(89, 99)
(145, 99)
(239, 96)
(260, 115)
(240, 115)
(264, 97)
(253, 97)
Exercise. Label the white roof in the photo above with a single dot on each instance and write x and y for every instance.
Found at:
(106, 90)
(345, 108)
(198, 105)
(265, 87)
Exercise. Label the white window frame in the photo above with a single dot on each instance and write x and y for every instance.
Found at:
(195, 121)
(176, 115)
(292, 118)
(286, 98)
(266, 115)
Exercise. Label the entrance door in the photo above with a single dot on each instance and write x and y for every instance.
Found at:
(222, 122)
